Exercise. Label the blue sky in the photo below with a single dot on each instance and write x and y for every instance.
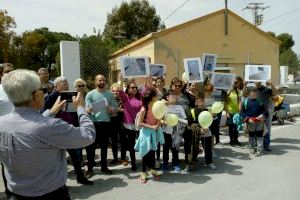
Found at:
(78, 16)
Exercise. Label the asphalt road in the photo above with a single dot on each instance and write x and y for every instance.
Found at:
(272, 176)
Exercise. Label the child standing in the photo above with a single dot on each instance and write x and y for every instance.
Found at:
(195, 133)
(173, 135)
(253, 113)
(149, 136)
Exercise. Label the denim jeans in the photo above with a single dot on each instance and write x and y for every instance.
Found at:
(267, 137)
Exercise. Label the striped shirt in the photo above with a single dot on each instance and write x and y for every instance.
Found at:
(32, 149)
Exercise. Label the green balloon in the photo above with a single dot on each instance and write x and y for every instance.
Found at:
(217, 107)
(205, 119)
(159, 109)
(172, 119)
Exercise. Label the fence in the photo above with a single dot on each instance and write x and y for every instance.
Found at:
(94, 60)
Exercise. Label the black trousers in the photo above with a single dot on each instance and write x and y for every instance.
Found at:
(75, 155)
(166, 148)
(215, 129)
(191, 145)
(102, 136)
(59, 194)
(206, 143)
(127, 138)
(114, 135)
(148, 160)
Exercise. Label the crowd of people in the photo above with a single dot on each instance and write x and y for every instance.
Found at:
(37, 127)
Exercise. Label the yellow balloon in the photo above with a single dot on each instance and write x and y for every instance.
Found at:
(205, 119)
(185, 77)
(217, 107)
(172, 119)
(159, 109)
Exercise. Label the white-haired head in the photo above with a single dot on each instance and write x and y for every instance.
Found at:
(61, 84)
(20, 84)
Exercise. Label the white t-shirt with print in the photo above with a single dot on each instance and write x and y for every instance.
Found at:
(177, 110)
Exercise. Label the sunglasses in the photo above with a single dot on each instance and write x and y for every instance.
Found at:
(178, 85)
(80, 86)
(133, 87)
(115, 91)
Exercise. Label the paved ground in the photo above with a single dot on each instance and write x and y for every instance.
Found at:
(273, 176)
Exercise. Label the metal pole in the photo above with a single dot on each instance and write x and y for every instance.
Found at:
(178, 63)
(226, 19)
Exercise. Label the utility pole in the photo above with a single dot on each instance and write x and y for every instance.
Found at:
(257, 16)
(226, 18)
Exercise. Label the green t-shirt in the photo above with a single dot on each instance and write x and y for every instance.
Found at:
(233, 101)
(94, 96)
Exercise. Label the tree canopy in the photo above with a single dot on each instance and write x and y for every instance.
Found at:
(131, 21)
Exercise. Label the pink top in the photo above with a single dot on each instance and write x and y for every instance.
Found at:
(149, 119)
(131, 105)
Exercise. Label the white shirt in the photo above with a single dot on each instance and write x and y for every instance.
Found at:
(5, 104)
(177, 110)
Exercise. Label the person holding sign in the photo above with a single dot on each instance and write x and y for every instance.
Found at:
(132, 103)
(100, 104)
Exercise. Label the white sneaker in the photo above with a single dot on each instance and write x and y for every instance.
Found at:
(212, 166)
(157, 164)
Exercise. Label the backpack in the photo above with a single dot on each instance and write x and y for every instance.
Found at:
(245, 103)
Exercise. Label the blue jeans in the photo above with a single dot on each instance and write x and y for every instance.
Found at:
(267, 137)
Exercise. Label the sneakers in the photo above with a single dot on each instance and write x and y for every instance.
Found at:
(154, 173)
(177, 168)
(157, 164)
(237, 143)
(89, 174)
(143, 177)
(165, 168)
(114, 161)
(106, 170)
(187, 168)
(133, 167)
(124, 162)
(258, 153)
(84, 181)
(212, 166)
(267, 149)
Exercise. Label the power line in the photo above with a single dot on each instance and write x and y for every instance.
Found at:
(175, 10)
(284, 14)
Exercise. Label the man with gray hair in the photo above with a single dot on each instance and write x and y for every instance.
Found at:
(32, 146)
(47, 84)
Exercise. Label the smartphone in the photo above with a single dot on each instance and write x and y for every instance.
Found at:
(68, 96)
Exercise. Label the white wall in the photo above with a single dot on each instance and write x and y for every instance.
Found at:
(284, 70)
(70, 61)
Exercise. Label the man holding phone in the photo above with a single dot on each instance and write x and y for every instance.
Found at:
(61, 86)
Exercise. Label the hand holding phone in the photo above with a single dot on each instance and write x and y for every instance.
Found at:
(68, 96)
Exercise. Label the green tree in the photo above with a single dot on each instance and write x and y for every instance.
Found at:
(290, 58)
(131, 21)
(287, 56)
(6, 34)
(287, 41)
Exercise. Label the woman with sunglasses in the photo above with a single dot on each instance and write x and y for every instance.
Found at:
(132, 103)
